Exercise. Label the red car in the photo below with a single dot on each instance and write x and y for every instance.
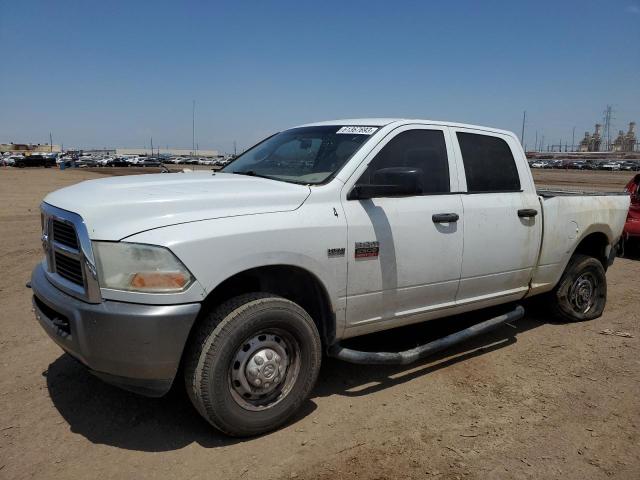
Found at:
(632, 226)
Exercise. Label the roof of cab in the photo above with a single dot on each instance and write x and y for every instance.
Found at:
(381, 122)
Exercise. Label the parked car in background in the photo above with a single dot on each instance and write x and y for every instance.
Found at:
(630, 165)
(553, 164)
(578, 165)
(149, 162)
(612, 166)
(10, 160)
(118, 162)
(86, 162)
(35, 161)
(538, 164)
(590, 165)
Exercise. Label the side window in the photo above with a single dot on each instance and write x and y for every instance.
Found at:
(422, 149)
(488, 163)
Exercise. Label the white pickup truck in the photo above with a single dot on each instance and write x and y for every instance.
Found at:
(241, 279)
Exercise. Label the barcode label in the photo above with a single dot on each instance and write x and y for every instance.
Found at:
(358, 130)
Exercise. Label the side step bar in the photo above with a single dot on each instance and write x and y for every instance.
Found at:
(422, 351)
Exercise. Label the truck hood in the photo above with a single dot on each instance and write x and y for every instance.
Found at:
(117, 207)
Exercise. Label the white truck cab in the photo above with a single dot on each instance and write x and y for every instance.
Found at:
(319, 233)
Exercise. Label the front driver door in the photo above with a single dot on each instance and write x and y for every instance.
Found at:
(404, 256)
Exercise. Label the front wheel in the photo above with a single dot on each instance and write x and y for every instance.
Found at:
(251, 363)
(581, 293)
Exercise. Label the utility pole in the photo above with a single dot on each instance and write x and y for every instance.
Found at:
(234, 148)
(50, 143)
(152, 146)
(536, 147)
(193, 127)
(524, 118)
(608, 116)
(573, 140)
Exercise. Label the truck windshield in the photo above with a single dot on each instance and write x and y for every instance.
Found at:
(308, 155)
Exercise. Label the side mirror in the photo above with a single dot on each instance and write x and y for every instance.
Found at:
(390, 182)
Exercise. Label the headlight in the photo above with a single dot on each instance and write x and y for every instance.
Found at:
(140, 268)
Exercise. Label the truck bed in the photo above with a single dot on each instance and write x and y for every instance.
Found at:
(568, 218)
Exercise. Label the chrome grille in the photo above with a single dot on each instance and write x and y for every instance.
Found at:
(65, 234)
(69, 268)
(67, 247)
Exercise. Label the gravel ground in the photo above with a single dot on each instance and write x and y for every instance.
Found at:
(537, 400)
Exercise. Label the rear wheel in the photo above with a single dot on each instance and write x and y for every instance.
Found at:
(581, 293)
(251, 363)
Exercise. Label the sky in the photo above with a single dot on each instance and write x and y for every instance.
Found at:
(116, 73)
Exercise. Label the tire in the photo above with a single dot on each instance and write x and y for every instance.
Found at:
(250, 340)
(581, 293)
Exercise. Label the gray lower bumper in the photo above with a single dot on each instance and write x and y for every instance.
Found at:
(136, 347)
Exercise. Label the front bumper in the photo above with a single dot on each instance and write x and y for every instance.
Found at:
(136, 347)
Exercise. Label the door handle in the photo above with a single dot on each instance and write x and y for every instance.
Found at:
(444, 217)
(527, 212)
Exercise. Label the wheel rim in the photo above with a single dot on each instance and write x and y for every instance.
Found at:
(264, 369)
(583, 292)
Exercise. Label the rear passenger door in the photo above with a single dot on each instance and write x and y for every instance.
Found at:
(502, 218)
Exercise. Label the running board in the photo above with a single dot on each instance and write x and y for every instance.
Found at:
(422, 351)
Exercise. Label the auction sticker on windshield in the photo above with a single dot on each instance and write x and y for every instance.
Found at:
(358, 130)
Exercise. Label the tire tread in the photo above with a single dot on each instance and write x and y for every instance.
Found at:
(577, 263)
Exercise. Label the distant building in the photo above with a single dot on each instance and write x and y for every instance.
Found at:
(618, 143)
(625, 142)
(591, 143)
(98, 151)
(28, 148)
(584, 143)
(630, 139)
(167, 151)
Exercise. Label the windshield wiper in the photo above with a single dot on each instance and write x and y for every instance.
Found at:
(252, 173)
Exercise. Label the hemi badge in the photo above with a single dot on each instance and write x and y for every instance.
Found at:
(367, 249)
(335, 252)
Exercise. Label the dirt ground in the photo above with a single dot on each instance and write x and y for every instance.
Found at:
(534, 400)
(582, 180)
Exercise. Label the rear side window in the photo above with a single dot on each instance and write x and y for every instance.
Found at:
(488, 164)
(423, 149)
